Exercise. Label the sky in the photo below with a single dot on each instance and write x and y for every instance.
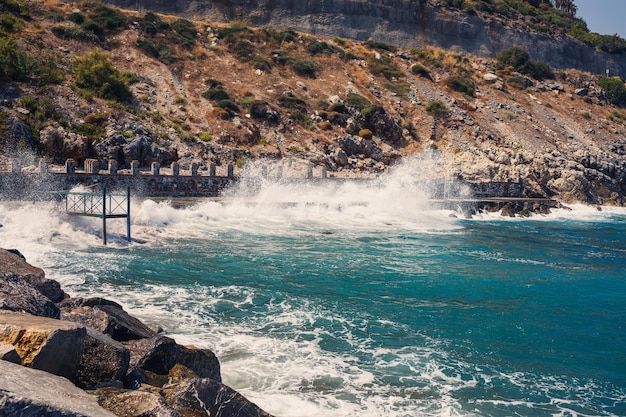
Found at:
(605, 17)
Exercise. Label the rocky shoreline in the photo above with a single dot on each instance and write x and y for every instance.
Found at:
(67, 356)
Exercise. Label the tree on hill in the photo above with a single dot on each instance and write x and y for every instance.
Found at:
(567, 6)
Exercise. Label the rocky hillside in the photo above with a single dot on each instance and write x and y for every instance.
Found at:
(478, 27)
(87, 80)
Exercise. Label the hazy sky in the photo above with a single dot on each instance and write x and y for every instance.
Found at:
(605, 17)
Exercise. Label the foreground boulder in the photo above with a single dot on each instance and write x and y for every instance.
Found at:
(212, 398)
(104, 361)
(188, 397)
(29, 392)
(43, 343)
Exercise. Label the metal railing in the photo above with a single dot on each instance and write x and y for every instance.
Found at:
(101, 205)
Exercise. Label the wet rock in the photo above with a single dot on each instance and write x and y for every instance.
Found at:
(103, 360)
(17, 136)
(160, 354)
(209, 397)
(105, 316)
(18, 295)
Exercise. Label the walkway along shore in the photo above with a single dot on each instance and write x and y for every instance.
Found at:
(18, 183)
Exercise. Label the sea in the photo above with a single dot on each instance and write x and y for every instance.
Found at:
(363, 298)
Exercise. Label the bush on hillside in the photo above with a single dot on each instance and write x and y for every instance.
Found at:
(420, 70)
(614, 90)
(519, 58)
(385, 67)
(461, 84)
(20, 66)
(380, 45)
(186, 32)
(436, 107)
(95, 73)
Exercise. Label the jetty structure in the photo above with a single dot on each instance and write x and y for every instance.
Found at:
(19, 183)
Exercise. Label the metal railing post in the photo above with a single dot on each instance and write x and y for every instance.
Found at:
(128, 214)
(104, 216)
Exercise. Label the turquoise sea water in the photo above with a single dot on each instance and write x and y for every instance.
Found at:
(382, 308)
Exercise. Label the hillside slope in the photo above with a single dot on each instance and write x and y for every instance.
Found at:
(219, 94)
(410, 24)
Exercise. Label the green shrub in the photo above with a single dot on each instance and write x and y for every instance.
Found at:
(96, 74)
(303, 67)
(436, 107)
(286, 36)
(227, 105)
(401, 89)
(213, 83)
(357, 101)
(216, 94)
(461, 84)
(380, 45)
(319, 47)
(291, 102)
(420, 70)
(186, 32)
(260, 63)
(77, 18)
(519, 59)
(205, 136)
(93, 27)
(514, 56)
(14, 65)
(10, 23)
(520, 82)
(539, 70)
(613, 89)
(385, 67)
(370, 110)
(152, 24)
(108, 18)
(235, 28)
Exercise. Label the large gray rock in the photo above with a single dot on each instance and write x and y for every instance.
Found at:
(160, 354)
(18, 295)
(28, 392)
(103, 361)
(210, 397)
(12, 261)
(105, 316)
(54, 346)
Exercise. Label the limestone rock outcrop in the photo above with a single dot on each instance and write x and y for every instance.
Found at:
(51, 345)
